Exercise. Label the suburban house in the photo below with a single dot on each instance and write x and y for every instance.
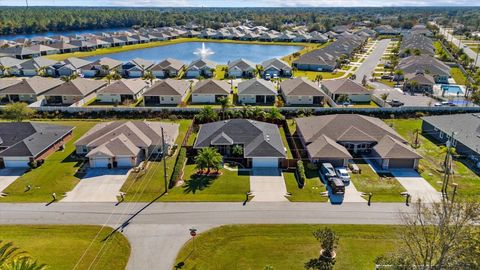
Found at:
(256, 91)
(29, 90)
(64, 47)
(83, 45)
(44, 49)
(122, 91)
(33, 66)
(5, 83)
(136, 68)
(261, 142)
(241, 68)
(10, 66)
(75, 92)
(125, 143)
(167, 68)
(68, 67)
(356, 92)
(466, 129)
(24, 142)
(210, 91)
(336, 138)
(301, 91)
(20, 52)
(102, 67)
(200, 67)
(418, 82)
(276, 67)
(166, 92)
(424, 64)
(416, 44)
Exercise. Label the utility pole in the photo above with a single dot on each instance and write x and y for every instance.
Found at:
(164, 162)
(448, 165)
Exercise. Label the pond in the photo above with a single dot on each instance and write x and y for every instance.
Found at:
(222, 52)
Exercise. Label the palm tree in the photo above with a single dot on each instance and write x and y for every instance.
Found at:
(112, 77)
(208, 158)
(24, 263)
(8, 252)
(225, 103)
(258, 114)
(148, 76)
(274, 115)
(5, 70)
(42, 71)
(207, 114)
(69, 78)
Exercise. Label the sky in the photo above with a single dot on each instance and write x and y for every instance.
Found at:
(244, 3)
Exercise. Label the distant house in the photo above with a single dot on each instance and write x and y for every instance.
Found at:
(335, 138)
(114, 42)
(166, 92)
(128, 40)
(10, 66)
(31, 67)
(424, 64)
(416, 44)
(25, 142)
(466, 129)
(261, 142)
(122, 90)
(356, 92)
(125, 144)
(301, 91)
(75, 92)
(64, 47)
(83, 45)
(418, 82)
(210, 91)
(68, 67)
(44, 49)
(20, 52)
(5, 83)
(102, 67)
(256, 91)
(136, 68)
(167, 68)
(99, 43)
(28, 90)
(276, 67)
(241, 68)
(200, 67)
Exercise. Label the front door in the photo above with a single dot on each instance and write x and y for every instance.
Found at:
(260, 99)
(317, 100)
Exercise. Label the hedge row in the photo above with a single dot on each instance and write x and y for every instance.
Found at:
(182, 156)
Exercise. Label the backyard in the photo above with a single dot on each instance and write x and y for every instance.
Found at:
(57, 174)
(60, 247)
(458, 76)
(258, 246)
(433, 155)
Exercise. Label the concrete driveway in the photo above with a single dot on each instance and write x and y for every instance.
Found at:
(351, 195)
(98, 185)
(8, 176)
(417, 186)
(406, 98)
(268, 185)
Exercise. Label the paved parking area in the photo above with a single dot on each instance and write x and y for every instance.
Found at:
(98, 185)
(417, 186)
(409, 100)
(268, 185)
(351, 193)
(8, 176)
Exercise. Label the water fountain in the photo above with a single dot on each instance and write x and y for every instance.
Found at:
(203, 52)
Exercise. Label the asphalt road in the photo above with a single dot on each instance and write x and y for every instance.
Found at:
(157, 233)
(456, 42)
(368, 66)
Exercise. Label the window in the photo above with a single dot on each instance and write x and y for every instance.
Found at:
(441, 135)
(163, 99)
(171, 99)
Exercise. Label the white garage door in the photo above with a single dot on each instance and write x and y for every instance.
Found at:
(16, 163)
(100, 163)
(265, 162)
(124, 162)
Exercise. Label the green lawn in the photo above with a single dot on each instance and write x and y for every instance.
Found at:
(384, 188)
(430, 166)
(229, 186)
(285, 247)
(311, 191)
(458, 76)
(387, 82)
(149, 185)
(365, 105)
(311, 75)
(220, 72)
(61, 246)
(57, 174)
(285, 143)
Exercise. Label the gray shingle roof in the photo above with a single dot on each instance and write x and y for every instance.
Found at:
(29, 139)
(125, 87)
(211, 86)
(77, 87)
(168, 87)
(259, 139)
(276, 64)
(423, 63)
(344, 86)
(242, 64)
(300, 86)
(36, 85)
(256, 86)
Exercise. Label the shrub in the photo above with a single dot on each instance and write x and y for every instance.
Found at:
(182, 155)
(301, 172)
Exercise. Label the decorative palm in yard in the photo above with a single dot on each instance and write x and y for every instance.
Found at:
(207, 114)
(11, 258)
(148, 76)
(208, 158)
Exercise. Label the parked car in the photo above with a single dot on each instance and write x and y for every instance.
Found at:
(343, 174)
(386, 77)
(353, 168)
(337, 185)
(395, 103)
(267, 77)
(327, 171)
(444, 104)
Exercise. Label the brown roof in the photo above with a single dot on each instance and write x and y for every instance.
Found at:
(5, 83)
(169, 63)
(168, 87)
(211, 86)
(77, 87)
(127, 87)
(36, 85)
(300, 86)
(389, 147)
(344, 86)
(325, 147)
